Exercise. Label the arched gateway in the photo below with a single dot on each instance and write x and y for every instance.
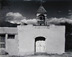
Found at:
(40, 44)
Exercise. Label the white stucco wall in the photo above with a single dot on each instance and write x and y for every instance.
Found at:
(55, 38)
(12, 45)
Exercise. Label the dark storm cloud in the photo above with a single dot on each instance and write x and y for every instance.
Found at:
(38, 0)
(34, 0)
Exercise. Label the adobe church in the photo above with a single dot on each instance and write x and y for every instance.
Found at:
(33, 39)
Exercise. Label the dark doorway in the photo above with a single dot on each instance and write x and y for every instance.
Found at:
(40, 44)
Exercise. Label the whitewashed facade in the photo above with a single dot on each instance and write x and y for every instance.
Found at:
(33, 39)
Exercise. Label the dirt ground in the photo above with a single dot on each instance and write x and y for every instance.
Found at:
(69, 54)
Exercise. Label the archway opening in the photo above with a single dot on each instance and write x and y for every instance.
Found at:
(41, 19)
(40, 44)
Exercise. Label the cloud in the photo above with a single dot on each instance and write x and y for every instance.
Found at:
(14, 17)
(18, 18)
(13, 14)
(30, 21)
(59, 20)
(56, 20)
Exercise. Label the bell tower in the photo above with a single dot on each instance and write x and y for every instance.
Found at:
(41, 15)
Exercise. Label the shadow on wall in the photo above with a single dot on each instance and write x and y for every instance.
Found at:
(3, 52)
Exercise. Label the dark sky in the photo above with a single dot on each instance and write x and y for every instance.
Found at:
(39, 0)
(29, 8)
